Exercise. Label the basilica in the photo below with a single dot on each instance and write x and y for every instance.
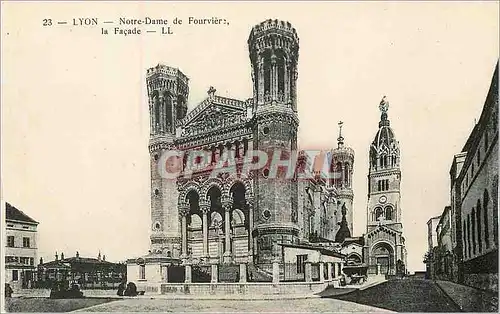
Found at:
(250, 218)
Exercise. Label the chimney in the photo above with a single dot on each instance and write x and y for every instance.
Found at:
(99, 256)
(77, 254)
(57, 257)
(104, 257)
(62, 255)
(41, 260)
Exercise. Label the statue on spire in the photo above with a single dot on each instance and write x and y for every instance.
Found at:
(384, 105)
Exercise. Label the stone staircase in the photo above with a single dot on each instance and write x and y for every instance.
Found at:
(256, 274)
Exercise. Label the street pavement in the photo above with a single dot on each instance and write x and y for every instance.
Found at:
(314, 305)
(470, 299)
(403, 295)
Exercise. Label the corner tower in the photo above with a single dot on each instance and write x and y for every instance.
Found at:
(168, 91)
(274, 50)
(343, 167)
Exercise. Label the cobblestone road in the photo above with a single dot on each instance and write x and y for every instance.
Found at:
(316, 305)
(408, 295)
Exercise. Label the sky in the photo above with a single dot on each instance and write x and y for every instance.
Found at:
(75, 123)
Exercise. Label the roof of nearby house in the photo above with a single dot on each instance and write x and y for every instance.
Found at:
(77, 262)
(443, 215)
(433, 218)
(12, 213)
(357, 240)
(475, 136)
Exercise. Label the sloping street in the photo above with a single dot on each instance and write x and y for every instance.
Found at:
(408, 295)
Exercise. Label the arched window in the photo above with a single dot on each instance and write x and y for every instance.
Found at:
(473, 231)
(281, 76)
(168, 112)
(339, 173)
(346, 174)
(495, 209)
(157, 111)
(379, 212)
(388, 213)
(486, 200)
(478, 219)
(267, 77)
(383, 161)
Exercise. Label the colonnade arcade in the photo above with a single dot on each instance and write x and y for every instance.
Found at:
(216, 221)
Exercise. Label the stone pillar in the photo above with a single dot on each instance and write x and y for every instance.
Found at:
(187, 270)
(276, 272)
(260, 82)
(308, 271)
(378, 269)
(215, 273)
(184, 211)
(329, 271)
(250, 228)
(243, 272)
(164, 273)
(334, 270)
(294, 76)
(274, 79)
(227, 231)
(286, 80)
(321, 272)
(151, 115)
(205, 208)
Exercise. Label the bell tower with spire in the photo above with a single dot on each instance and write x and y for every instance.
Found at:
(342, 167)
(384, 242)
(384, 176)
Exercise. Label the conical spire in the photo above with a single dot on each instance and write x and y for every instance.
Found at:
(344, 231)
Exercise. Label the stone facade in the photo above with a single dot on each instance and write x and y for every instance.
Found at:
(467, 251)
(477, 199)
(432, 243)
(443, 253)
(21, 248)
(384, 242)
(202, 218)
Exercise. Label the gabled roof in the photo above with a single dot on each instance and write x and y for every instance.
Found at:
(235, 104)
(12, 213)
(383, 228)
